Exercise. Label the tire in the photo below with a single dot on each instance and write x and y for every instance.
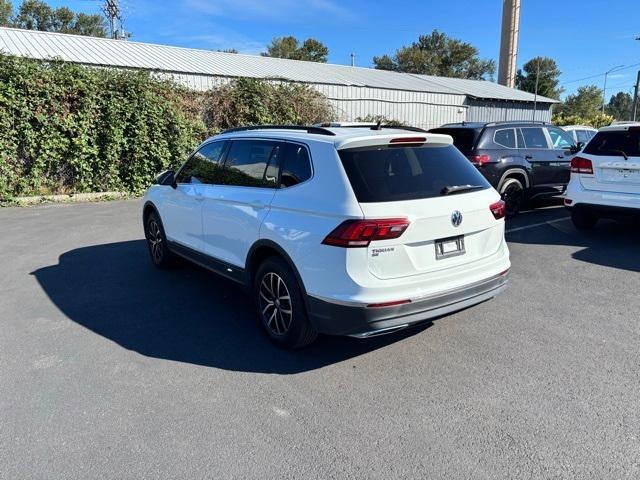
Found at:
(280, 305)
(159, 251)
(512, 192)
(583, 220)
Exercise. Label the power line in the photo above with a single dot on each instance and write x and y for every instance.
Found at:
(598, 75)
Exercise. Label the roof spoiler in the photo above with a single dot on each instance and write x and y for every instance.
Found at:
(370, 126)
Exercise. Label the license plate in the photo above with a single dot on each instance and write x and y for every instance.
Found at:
(449, 247)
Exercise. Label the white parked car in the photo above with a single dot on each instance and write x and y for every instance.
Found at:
(581, 134)
(343, 230)
(605, 177)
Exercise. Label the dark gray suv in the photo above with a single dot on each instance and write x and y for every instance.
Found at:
(521, 160)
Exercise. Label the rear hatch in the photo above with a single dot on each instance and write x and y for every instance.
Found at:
(445, 199)
(464, 138)
(615, 161)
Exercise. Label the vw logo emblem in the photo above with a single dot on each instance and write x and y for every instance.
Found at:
(456, 218)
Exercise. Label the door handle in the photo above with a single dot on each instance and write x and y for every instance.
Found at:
(257, 204)
(199, 197)
(528, 157)
(561, 156)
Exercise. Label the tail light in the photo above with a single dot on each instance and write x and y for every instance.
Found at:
(479, 159)
(581, 165)
(360, 233)
(413, 140)
(498, 209)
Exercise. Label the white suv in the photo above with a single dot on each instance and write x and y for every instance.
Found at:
(357, 230)
(605, 177)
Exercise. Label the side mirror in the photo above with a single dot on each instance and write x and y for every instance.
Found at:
(580, 146)
(166, 178)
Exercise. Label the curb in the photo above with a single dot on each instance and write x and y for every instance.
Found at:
(73, 197)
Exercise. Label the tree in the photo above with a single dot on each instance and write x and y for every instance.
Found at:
(63, 20)
(385, 62)
(89, 25)
(620, 106)
(6, 12)
(586, 102)
(313, 51)
(289, 47)
(548, 77)
(227, 50)
(438, 54)
(37, 15)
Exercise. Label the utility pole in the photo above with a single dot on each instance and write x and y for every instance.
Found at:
(635, 98)
(535, 95)
(604, 90)
(353, 59)
(111, 9)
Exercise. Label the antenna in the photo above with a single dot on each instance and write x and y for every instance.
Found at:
(353, 59)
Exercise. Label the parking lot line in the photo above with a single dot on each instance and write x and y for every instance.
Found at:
(534, 225)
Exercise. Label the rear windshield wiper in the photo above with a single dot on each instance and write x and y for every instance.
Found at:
(619, 152)
(453, 189)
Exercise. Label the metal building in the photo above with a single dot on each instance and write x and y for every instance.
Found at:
(418, 100)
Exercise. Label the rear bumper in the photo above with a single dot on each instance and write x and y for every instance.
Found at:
(606, 211)
(604, 201)
(358, 320)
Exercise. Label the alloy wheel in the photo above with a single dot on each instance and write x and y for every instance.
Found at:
(276, 308)
(155, 240)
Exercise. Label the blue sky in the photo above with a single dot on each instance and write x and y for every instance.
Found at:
(586, 37)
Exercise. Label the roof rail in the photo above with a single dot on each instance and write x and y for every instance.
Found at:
(512, 122)
(305, 128)
(371, 126)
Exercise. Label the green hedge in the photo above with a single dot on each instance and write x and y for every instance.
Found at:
(65, 128)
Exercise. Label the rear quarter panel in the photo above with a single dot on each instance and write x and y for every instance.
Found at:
(303, 215)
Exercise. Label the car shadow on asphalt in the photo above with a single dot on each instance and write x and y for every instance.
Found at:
(185, 314)
(609, 243)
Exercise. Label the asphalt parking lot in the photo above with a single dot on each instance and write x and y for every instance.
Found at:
(113, 369)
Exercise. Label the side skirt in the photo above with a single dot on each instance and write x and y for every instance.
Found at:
(225, 269)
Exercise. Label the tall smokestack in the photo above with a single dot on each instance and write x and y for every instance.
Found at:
(509, 42)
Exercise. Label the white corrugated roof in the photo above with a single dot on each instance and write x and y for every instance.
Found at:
(118, 53)
(486, 90)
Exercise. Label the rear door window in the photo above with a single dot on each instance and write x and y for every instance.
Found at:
(560, 140)
(534, 137)
(253, 163)
(387, 174)
(464, 139)
(613, 142)
(505, 137)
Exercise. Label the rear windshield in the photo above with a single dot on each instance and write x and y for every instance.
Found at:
(613, 142)
(387, 174)
(463, 138)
